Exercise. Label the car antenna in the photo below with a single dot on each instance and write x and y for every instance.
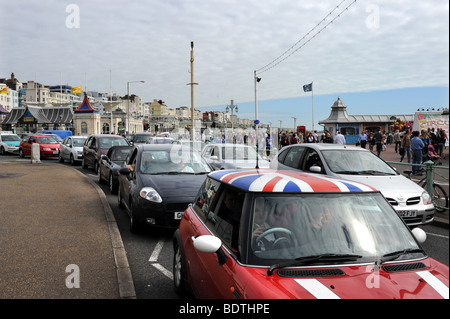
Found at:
(257, 166)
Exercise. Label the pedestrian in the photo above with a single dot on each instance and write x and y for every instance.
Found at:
(363, 139)
(339, 138)
(371, 141)
(440, 141)
(378, 138)
(316, 137)
(397, 140)
(406, 145)
(328, 137)
(417, 146)
(310, 138)
(269, 143)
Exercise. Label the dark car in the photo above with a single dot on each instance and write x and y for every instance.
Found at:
(158, 182)
(98, 145)
(141, 138)
(110, 164)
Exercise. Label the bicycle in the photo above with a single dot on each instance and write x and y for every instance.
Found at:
(439, 196)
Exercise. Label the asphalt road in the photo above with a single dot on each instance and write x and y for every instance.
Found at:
(150, 255)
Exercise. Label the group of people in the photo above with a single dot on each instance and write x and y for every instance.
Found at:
(285, 138)
(427, 144)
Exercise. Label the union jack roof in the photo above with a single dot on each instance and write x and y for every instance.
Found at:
(270, 180)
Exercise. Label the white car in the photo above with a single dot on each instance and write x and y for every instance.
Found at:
(229, 156)
(72, 149)
(353, 163)
(9, 143)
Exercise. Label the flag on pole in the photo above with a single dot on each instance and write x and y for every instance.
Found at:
(307, 87)
(4, 90)
(76, 89)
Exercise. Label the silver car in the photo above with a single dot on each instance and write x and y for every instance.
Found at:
(229, 156)
(71, 149)
(353, 163)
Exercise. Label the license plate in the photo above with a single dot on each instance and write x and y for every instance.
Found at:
(178, 215)
(407, 213)
(55, 152)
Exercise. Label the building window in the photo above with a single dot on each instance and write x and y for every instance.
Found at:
(84, 128)
(348, 130)
(105, 129)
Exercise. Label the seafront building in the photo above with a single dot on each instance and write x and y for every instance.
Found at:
(32, 106)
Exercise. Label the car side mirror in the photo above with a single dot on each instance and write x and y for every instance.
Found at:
(103, 157)
(419, 234)
(214, 158)
(125, 171)
(315, 169)
(210, 244)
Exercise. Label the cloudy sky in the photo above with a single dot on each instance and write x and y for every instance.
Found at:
(373, 46)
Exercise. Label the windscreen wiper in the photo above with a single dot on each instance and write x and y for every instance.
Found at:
(311, 259)
(394, 255)
(372, 172)
(349, 172)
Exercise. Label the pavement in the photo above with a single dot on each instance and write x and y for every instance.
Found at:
(58, 236)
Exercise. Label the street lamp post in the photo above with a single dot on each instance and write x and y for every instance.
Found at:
(232, 107)
(295, 124)
(256, 80)
(128, 104)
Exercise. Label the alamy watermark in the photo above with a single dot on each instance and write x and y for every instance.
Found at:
(373, 19)
(73, 280)
(73, 17)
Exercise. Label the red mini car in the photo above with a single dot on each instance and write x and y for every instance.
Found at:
(282, 234)
(49, 147)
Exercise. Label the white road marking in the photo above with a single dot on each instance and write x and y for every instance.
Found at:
(154, 258)
(438, 235)
(156, 251)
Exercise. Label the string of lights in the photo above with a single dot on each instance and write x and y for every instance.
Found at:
(285, 54)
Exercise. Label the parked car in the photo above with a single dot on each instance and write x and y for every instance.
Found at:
(410, 200)
(72, 149)
(227, 156)
(141, 138)
(61, 133)
(110, 165)
(97, 145)
(55, 137)
(22, 135)
(9, 143)
(157, 183)
(161, 140)
(196, 145)
(48, 146)
(266, 234)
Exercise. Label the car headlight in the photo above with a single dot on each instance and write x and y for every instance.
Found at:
(150, 194)
(426, 198)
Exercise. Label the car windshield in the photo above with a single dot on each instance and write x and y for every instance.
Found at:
(46, 140)
(10, 138)
(173, 162)
(356, 162)
(57, 137)
(238, 153)
(161, 140)
(112, 141)
(120, 154)
(296, 226)
(78, 142)
(142, 138)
